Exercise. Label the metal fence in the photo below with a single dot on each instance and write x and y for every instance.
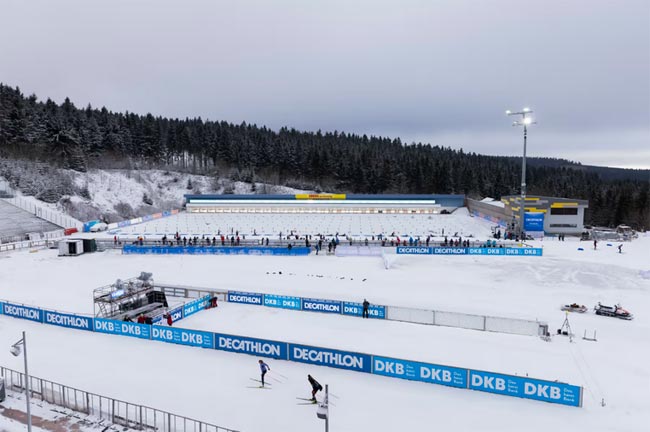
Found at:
(53, 216)
(27, 244)
(118, 412)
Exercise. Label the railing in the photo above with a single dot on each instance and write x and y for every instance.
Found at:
(53, 216)
(26, 244)
(116, 411)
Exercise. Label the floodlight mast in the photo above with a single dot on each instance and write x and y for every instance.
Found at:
(525, 121)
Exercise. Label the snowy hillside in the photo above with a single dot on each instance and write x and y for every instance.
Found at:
(114, 195)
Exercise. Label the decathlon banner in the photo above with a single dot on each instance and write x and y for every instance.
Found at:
(195, 306)
(414, 250)
(356, 309)
(533, 222)
(24, 312)
(253, 346)
(284, 302)
(524, 387)
(183, 336)
(321, 305)
(330, 357)
(68, 320)
(142, 331)
(416, 371)
(245, 297)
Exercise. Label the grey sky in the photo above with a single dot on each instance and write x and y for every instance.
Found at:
(438, 71)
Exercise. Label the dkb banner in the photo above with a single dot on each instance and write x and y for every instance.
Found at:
(425, 372)
(356, 309)
(182, 336)
(142, 331)
(284, 302)
(524, 387)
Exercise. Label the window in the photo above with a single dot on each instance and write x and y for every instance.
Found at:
(563, 226)
(564, 211)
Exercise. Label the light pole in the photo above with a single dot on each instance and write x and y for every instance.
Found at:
(15, 350)
(525, 121)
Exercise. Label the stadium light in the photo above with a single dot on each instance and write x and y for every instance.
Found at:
(525, 121)
(15, 351)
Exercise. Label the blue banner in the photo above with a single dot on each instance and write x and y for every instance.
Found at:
(183, 337)
(410, 370)
(142, 331)
(215, 250)
(414, 250)
(195, 306)
(253, 346)
(24, 312)
(284, 302)
(245, 297)
(321, 305)
(533, 222)
(356, 309)
(330, 357)
(2, 306)
(524, 387)
(68, 320)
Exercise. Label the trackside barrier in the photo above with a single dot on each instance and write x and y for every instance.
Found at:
(491, 382)
(443, 250)
(103, 408)
(215, 250)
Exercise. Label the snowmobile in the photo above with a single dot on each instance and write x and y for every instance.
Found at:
(574, 307)
(613, 311)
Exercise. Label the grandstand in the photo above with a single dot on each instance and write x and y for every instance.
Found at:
(16, 224)
(359, 217)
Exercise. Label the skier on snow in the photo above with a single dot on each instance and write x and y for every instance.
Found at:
(315, 387)
(264, 368)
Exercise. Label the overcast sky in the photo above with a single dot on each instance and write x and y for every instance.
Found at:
(441, 72)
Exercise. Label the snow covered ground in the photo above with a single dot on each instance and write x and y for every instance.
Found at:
(213, 385)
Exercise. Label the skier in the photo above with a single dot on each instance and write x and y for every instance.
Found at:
(366, 304)
(315, 387)
(169, 320)
(620, 247)
(595, 244)
(264, 368)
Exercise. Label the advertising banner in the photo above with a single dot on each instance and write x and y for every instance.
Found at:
(142, 331)
(533, 221)
(416, 371)
(524, 387)
(215, 250)
(195, 306)
(2, 306)
(356, 309)
(320, 305)
(253, 346)
(330, 357)
(284, 302)
(68, 320)
(183, 336)
(414, 250)
(245, 297)
(24, 312)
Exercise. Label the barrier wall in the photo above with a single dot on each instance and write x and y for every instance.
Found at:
(215, 250)
(138, 220)
(491, 382)
(442, 250)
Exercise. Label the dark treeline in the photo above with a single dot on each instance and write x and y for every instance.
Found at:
(75, 138)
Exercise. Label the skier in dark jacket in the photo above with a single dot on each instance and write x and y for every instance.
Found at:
(366, 305)
(264, 368)
(315, 387)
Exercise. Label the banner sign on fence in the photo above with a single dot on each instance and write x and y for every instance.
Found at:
(430, 373)
(215, 250)
(195, 306)
(330, 357)
(24, 312)
(245, 297)
(524, 387)
(246, 345)
(142, 331)
(356, 309)
(320, 305)
(451, 250)
(183, 336)
(414, 250)
(285, 302)
(2, 307)
(68, 320)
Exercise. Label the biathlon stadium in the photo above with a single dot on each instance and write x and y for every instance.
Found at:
(464, 323)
